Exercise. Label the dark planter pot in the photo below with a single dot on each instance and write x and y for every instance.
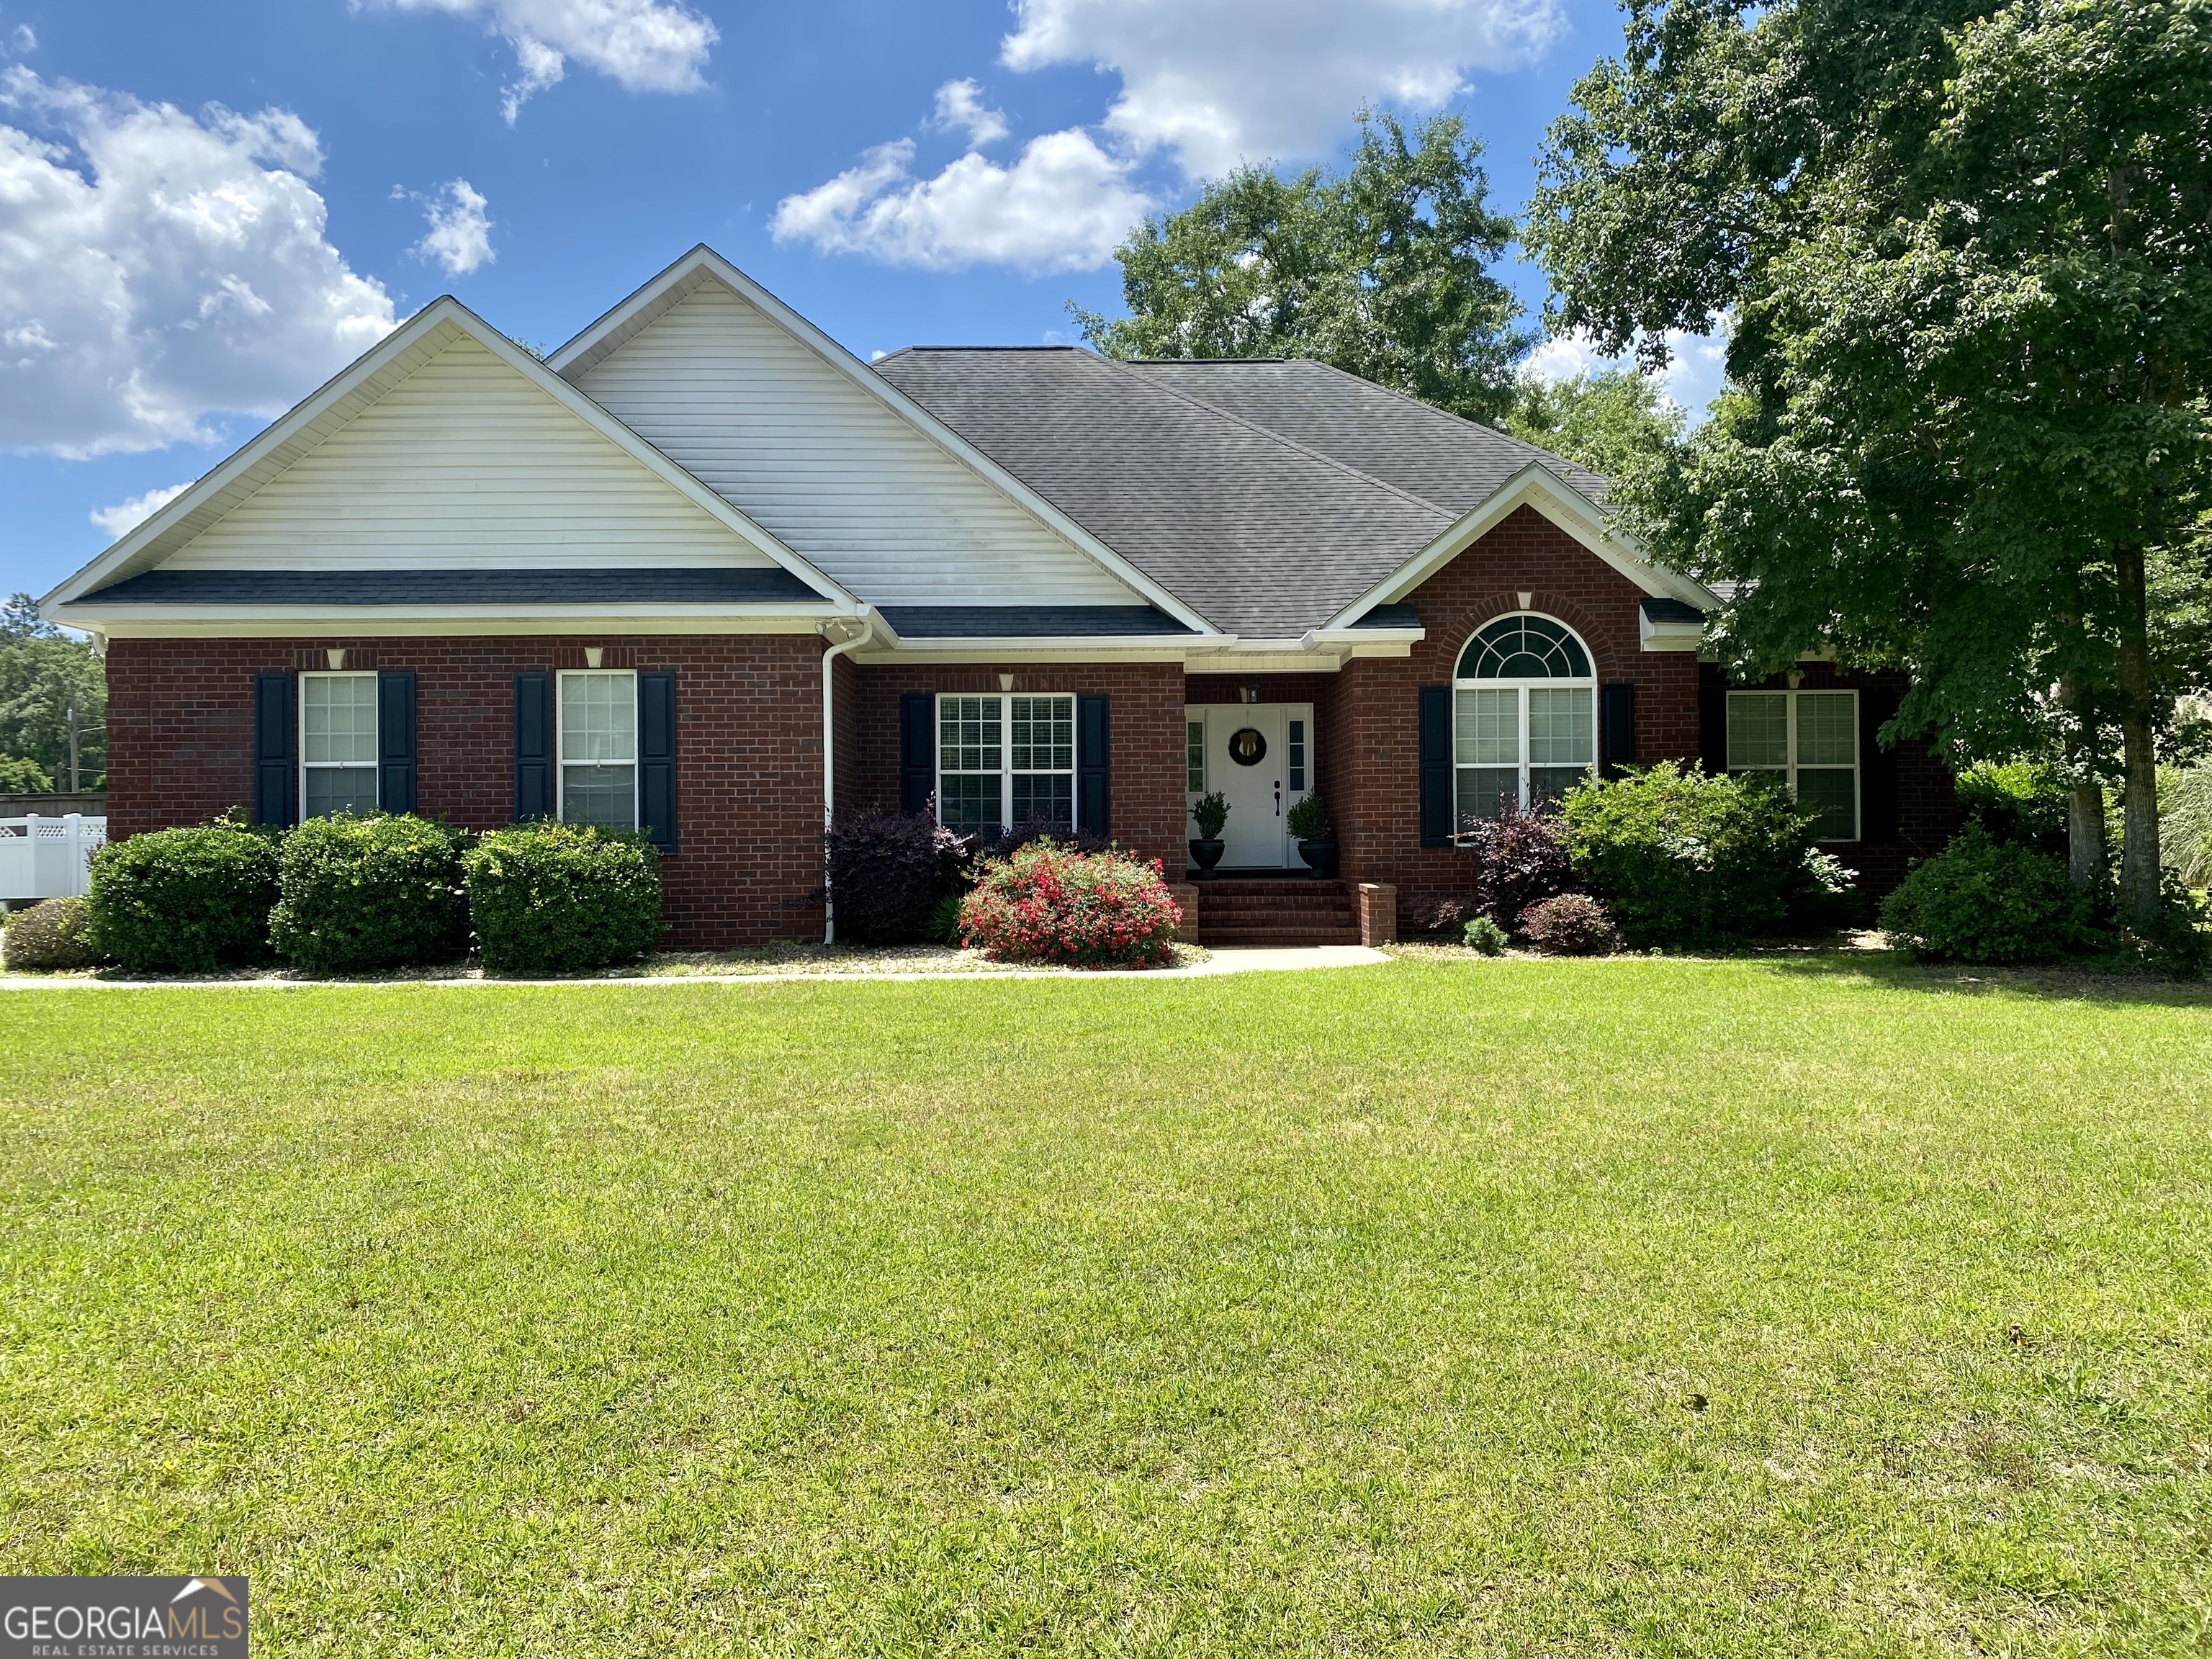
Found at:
(1206, 855)
(1320, 857)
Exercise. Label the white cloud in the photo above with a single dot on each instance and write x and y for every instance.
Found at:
(126, 516)
(960, 104)
(1063, 205)
(157, 268)
(23, 38)
(460, 232)
(1221, 82)
(646, 46)
(1697, 365)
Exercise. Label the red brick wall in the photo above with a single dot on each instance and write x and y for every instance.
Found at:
(1147, 771)
(748, 866)
(1370, 730)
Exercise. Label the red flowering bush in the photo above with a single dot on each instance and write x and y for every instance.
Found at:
(1049, 903)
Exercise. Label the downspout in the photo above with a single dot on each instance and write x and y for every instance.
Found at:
(868, 626)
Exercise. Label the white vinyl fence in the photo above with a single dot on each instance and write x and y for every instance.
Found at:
(47, 858)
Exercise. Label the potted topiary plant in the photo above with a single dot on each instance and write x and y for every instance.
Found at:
(1209, 812)
(1309, 822)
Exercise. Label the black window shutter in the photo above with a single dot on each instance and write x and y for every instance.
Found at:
(1093, 766)
(395, 739)
(533, 746)
(274, 774)
(1616, 724)
(1435, 766)
(1712, 717)
(917, 750)
(1877, 769)
(656, 758)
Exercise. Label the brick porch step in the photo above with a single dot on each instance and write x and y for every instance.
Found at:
(1276, 913)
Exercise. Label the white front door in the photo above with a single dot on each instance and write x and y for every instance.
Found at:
(1245, 754)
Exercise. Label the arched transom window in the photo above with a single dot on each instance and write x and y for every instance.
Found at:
(1524, 715)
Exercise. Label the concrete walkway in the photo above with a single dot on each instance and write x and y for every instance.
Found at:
(1227, 959)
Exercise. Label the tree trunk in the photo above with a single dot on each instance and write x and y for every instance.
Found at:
(2139, 860)
(2085, 798)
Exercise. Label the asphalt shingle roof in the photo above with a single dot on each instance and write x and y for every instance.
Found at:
(1265, 495)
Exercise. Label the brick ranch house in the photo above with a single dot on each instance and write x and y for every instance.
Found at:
(704, 572)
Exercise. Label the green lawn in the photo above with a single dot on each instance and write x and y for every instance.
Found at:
(1346, 1313)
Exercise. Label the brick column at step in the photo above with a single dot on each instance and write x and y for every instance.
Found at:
(1379, 913)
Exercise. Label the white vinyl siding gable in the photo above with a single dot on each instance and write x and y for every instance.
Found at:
(827, 468)
(465, 464)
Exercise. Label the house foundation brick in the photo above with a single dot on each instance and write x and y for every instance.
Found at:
(1185, 895)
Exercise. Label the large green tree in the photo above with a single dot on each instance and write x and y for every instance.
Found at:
(1383, 270)
(1616, 422)
(44, 674)
(1964, 249)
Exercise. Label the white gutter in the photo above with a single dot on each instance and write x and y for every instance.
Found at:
(830, 759)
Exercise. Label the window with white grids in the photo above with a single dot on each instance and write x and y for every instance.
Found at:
(599, 748)
(337, 744)
(1524, 716)
(1809, 742)
(1005, 759)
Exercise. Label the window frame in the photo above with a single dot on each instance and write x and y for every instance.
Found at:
(1792, 766)
(1005, 771)
(1521, 688)
(371, 766)
(560, 761)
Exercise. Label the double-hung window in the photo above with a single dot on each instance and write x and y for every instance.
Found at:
(1809, 742)
(1524, 716)
(337, 743)
(599, 748)
(1005, 759)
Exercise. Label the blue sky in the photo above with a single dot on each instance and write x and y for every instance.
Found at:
(207, 209)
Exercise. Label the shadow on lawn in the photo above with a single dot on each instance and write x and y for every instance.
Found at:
(1894, 970)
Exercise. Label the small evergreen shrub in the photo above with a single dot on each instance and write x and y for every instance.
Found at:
(1679, 854)
(358, 893)
(184, 900)
(54, 936)
(549, 898)
(1982, 900)
(1049, 903)
(2022, 801)
(945, 921)
(1486, 936)
(1521, 858)
(1308, 820)
(1209, 812)
(889, 872)
(1570, 924)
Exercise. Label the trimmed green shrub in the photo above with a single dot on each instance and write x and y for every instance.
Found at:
(184, 900)
(2022, 801)
(369, 892)
(1308, 819)
(1570, 924)
(550, 898)
(1679, 855)
(1486, 936)
(49, 938)
(1982, 900)
(1047, 903)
